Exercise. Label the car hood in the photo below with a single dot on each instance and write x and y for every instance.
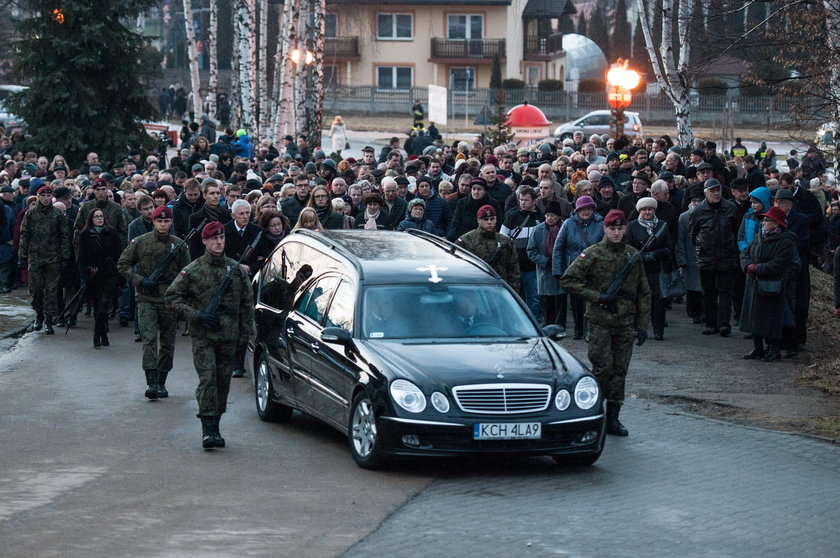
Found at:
(443, 363)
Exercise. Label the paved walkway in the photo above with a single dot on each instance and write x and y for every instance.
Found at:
(680, 485)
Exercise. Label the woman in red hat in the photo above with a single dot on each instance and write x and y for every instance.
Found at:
(770, 262)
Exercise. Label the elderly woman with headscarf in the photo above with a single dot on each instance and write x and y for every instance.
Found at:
(771, 263)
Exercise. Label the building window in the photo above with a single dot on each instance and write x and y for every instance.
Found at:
(393, 77)
(394, 26)
(469, 26)
(331, 26)
(462, 79)
(532, 75)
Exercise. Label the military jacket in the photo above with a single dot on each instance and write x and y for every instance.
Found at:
(114, 216)
(484, 246)
(593, 271)
(194, 287)
(142, 256)
(44, 236)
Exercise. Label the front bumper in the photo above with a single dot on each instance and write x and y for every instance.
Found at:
(448, 438)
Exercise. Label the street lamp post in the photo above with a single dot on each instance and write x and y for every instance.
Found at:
(623, 80)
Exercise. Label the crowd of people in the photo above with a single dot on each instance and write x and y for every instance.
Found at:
(728, 234)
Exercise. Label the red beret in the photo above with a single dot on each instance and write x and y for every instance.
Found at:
(45, 189)
(99, 182)
(486, 211)
(615, 217)
(211, 229)
(161, 212)
(413, 157)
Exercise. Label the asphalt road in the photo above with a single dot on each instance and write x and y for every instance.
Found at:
(89, 467)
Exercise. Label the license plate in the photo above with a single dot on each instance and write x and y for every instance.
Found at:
(507, 431)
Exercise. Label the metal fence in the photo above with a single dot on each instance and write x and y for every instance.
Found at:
(559, 106)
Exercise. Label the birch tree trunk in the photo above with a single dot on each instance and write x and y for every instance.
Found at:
(299, 70)
(671, 74)
(243, 56)
(213, 53)
(192, 54)
(262, 82)
(235, 86)
(251, 29)
(316, 118)
(280, 84)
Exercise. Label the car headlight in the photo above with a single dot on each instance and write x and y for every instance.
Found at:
(408, 396)
(586, 392)
(440, 402)
(562, 400)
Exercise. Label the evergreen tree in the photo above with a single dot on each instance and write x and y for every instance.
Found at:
(621, 34)
(699, 43)
(567, 26)
(581, 26)
(496, 73)
(598, 32)
(498, 133)
(88, 77)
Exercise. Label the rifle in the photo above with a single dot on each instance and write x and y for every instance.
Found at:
(618, 282)
(514, 234)
(72, 306)
(216, 302)
(158, 271)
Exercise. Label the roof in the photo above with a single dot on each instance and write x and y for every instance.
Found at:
(724, 65)
(424, 2)
(548, 8)
(526, 116)
(399, 257)
(584, 58)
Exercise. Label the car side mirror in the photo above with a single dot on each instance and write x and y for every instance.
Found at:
(554, 332)
(336, 335)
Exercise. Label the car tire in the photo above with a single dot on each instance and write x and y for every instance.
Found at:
(577, 459)
(363, 434)
(268, 409)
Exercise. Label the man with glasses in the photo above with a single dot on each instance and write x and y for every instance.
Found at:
(291, 207)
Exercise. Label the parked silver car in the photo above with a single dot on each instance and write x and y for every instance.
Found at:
(598, 122)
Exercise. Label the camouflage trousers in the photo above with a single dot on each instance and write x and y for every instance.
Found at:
(156, 320)
(213, 362)
(609, 352)
(43, 286)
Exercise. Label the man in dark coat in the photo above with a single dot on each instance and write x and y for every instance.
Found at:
(293, 205)
(187, 203)
(640, 184)
(794, 338)
(714, 231)
(212, 210)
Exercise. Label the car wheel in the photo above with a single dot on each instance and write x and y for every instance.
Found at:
(577, 459)
(365, 443)
(268, 409)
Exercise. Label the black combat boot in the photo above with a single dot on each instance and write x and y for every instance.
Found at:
(614, 425)
(220, 442)
(758, 349)
(48, 325)
(39, 322)
(208, 438)
(97, 340)
(161, 384)
(151, 384)
(102, 325)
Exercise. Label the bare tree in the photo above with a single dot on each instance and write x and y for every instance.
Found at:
(242, 48)
(192, 53)
(315, 120)
(280, 83)
(213, 54)
(262, 82)
(670, 67)
(250, 32)
(300, 72)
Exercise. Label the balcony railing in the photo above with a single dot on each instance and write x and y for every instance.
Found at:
(341, 47)
(468, 48)
(544, 46)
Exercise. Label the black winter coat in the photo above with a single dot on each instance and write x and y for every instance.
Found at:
(714, 232)
(465, 216)
(656, 259)
(774, 259)
(100, 251)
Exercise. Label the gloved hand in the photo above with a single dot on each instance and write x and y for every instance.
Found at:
(641, 337)
(148, 285)
(22, 261)
(207, 320)
(608, 301)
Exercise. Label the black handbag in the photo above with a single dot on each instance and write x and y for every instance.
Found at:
(770, 288)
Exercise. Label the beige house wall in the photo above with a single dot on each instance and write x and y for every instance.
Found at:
(428, 22)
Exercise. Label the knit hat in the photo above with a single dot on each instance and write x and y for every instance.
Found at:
(416, 202)
(606, 181)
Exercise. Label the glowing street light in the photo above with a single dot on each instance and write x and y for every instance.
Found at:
(308, 59)
(623, 80)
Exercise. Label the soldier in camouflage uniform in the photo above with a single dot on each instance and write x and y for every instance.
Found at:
(139, 260)
(485, 242)
(614, 321)
(214, 336)
(45, 243)
(114, 214)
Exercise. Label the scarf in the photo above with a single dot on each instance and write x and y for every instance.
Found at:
(97, 229)
(275, 239)
(649, 226)
(370, 224)
(550, 239)
(771, 232)
(213, 214)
